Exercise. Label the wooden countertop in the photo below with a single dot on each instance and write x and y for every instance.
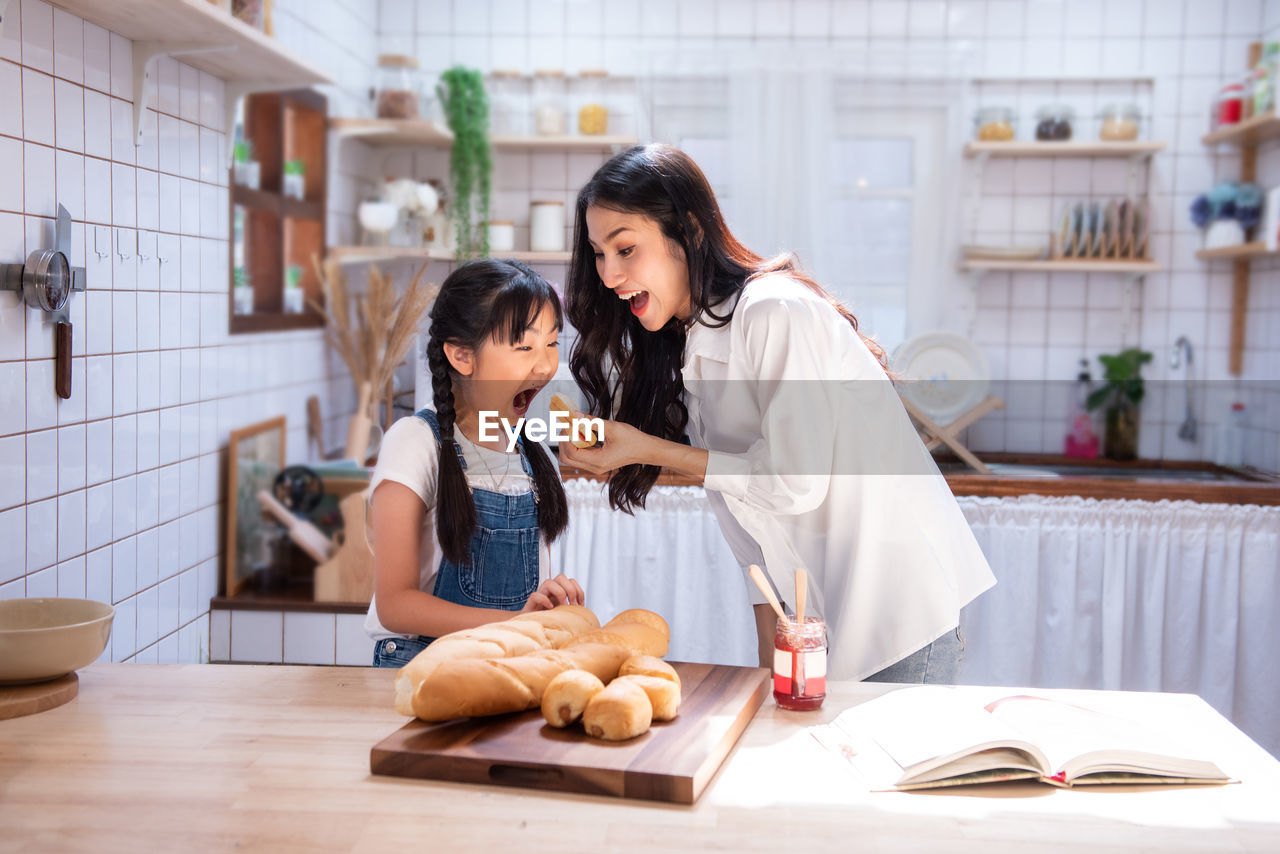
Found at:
(1148, 480)
(211, 758)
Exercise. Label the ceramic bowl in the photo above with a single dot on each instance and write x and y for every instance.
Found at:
(43, 639)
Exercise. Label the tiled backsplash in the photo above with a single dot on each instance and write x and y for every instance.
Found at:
(115, 493)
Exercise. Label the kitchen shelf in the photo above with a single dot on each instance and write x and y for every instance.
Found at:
(1246, 133)
(973, 265)
(403, 133)
(358, 254)
(1243, 251)
(251, 55)
(1064, 149)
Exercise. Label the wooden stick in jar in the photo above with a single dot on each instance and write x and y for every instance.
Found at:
(757, 575)
(802, 590)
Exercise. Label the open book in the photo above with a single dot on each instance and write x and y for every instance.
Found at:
(933, 736)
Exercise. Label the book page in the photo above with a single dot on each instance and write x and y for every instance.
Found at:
(924, 729)
(1078, 740)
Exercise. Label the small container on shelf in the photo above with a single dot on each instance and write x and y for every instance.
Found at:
(995, 124)
(295, 179)
(1229, 105)
(294, 298)
(800, 664)
(508, 103)
(243, 292)
(1054, 123)
(1119, 123)
(546, 226)
(593, 113)
(549, 102)
(502, 235)
(245, 171)
(399, 87)
(252, 12)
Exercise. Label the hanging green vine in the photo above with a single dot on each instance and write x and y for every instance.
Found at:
(466, 107)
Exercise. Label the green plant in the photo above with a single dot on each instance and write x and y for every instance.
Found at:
(466, 107)
(1123, 379)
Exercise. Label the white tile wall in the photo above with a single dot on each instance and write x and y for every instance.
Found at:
(114, 494)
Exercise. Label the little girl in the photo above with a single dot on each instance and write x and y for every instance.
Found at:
(459, 526)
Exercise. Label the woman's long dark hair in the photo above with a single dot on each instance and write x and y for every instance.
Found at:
(488, 300)
(615, 358)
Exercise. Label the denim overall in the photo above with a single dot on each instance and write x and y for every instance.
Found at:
(502, 571)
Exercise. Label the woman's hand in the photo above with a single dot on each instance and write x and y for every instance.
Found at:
(561, 590)
(623, 445)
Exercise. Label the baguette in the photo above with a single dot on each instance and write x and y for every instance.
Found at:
(520, 635)
(488, 685)
(558, 403)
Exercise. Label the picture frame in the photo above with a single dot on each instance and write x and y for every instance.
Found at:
(255, 455)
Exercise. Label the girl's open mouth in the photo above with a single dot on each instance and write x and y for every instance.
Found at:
(522, 400)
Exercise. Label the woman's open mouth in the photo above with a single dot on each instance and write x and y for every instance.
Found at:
(638, 300)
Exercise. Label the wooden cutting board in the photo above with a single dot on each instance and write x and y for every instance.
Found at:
(672, 762)
(19, 700)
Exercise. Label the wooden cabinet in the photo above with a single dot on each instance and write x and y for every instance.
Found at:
(271, 232)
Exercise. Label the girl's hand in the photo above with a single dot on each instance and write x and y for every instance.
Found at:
(623, 445)
(561, 590)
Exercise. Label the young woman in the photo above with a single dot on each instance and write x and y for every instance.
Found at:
(460, 526)
(808, 457)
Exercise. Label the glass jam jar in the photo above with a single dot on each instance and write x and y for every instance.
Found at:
(994, 124)
(1053, 123)
(800, 664)
(1119, 123)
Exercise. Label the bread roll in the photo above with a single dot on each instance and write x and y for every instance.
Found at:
(454, 691)
(648, 665)
(621, 711)
(647, 618)
(664, 695)
(559, 404)
(567, 695)
(505, 638)
(633, 636)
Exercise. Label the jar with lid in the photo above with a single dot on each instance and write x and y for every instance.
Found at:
(1054, 123)
(995, 124)
(593, 114)
(502, 235)
(549, 102)
(1230, 108)
(1119, 123)
(508, 103)
(800, 664)
(398, 86)
(546, 226)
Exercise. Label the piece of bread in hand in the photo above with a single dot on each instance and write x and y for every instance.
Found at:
(621, 711)
(664, 695)
(558, 403)
(567, 695)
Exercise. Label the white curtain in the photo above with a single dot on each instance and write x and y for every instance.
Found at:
(670, 558)
(1131, 595)
(781, 126)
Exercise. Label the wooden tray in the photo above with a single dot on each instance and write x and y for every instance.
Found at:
(672, 762)
(19, 700)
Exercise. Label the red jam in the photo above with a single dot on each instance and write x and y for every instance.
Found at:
(800, 664)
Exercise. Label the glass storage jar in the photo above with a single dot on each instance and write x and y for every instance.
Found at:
(800, 664)
(1119, 123)
(546, 226)
(995, 124)
(508, 104)
(548, 102)
(1054, 123)
(593, 114)
(398, 86)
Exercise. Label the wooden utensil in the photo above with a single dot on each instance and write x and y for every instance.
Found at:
(757, 575)
(802, 590)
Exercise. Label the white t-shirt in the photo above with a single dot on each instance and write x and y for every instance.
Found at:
(409, 455)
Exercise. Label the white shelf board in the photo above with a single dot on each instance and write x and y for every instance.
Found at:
(365, 254)
(1063, 266)
(253, 57)
(1141, 148)
(394, 133)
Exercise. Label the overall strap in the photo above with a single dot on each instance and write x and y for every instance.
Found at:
(433, 421)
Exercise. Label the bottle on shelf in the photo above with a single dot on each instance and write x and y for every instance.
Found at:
(1081, 441)
(1230, 446)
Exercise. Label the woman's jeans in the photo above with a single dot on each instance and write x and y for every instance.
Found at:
(937, 663)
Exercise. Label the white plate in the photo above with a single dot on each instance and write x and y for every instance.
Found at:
(942, 373)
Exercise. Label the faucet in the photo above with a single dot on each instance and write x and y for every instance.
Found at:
(1187, 432)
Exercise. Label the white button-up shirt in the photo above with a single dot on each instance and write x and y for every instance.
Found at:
(814, 463)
